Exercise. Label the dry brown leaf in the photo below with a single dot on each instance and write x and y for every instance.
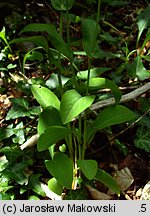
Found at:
(124, 179)
(97, 195)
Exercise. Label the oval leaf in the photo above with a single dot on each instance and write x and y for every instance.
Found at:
(61, 167)
(45, 97)
(55, 186)
(113, 115)
(53, 36)
(107, 180)
(88, 167)
(90, 30)
(100, 83)
(49, 117)
(73, 104)
(52, 135)
(37, 40)
(62, 5)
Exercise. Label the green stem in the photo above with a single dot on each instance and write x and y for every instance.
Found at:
(68, 32)
(70, 143)
(85, 113)
(61, 23)
(98, 11)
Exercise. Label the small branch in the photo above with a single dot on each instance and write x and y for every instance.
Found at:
(125, 98)
(30, 142)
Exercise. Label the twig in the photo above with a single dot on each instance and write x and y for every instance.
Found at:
(125, 98)
(30, 142)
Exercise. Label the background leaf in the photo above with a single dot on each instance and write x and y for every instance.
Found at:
(53, 37)
(72, 104)
(142, 140)
(37, 40)
(90, 31)
(143, 21)
(137, 69)
(62, 5)
(94, 72)
(61, 167)
(21, 108)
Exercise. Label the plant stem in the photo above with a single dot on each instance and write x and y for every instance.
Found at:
(61, 23)
(68, 32)
(98, 11)
(85, 113)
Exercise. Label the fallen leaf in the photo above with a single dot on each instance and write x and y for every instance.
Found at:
(97, 195)
(124, 179)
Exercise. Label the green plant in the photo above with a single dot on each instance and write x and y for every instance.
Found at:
(64, 118)
(66, 126)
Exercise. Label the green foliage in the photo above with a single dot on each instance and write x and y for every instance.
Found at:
(72, 104)
(88, 167)
(90, 31)
(143, 22)
(73, 76)
(21, 108)
(62, 5)
(137, 69)
(45, 97)
(142, 139)
(52, 135)
(107, 180)
(54, 186)
(61, 167)
(53, 36)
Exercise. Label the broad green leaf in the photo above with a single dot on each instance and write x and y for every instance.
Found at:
(61, 168)
(142, 139)
(137, 69)
(72, 104)
(37, 40)
(49, 117)
(45, 97)
(62, 4)
(35, 184)
(55, 186)
(113, 115)
(53, 37)
(94, 72)
(90, 31)
(107, 180)
(88, 167)
(143, 22)
(99, 83)
(51, 136)
(21, 108)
